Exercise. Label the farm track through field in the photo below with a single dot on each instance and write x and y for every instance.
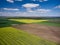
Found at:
(48, 32)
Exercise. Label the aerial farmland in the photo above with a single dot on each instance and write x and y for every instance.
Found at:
(29, 22)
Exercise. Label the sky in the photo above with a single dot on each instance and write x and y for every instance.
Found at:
(30, 8)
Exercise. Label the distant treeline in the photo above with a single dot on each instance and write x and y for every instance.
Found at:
(31, 17)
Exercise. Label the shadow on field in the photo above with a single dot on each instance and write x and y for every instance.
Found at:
(5, 22)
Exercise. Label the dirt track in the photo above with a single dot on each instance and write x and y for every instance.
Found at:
(48, 32)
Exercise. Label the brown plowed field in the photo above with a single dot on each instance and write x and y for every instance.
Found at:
(47, 32)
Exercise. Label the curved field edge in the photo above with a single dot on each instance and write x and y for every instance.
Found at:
(12, 36)
(49, 22)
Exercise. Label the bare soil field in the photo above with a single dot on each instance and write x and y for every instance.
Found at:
(51, 33)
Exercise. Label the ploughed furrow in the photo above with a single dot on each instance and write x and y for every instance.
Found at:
(4, 39)
(17, 39)
(11, 39)
(2, 42)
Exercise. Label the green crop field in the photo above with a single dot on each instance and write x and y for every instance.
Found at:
(12, 36)
(28, 20)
